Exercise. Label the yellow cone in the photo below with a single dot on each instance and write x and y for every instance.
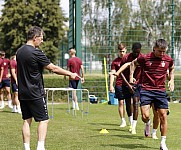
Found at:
(104, 131)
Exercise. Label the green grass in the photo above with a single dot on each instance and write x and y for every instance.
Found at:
(67, 132)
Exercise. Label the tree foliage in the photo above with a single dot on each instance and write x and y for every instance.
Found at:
(131, 21)
(19, 15)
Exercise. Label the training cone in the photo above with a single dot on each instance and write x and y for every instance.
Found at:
(104, 131)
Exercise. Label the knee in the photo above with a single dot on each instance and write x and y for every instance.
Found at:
(145, 118)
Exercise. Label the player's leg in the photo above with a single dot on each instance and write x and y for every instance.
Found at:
(2, 96)
(122, 113)
(121, 110)
(8, 92)
(42, 131)
(74, 84)
(26, 133)
(163, 127)
(135, 114)
(129, 111)
(145, 111)
(156, 121)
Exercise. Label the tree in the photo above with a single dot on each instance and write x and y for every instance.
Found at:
(18, 16)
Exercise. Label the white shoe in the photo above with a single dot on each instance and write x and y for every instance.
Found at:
(133, 131)
(154, 137)
(123, 124)
(10, 104)
(14, 110)
(19, 111)
(163, 147)
(130, 129)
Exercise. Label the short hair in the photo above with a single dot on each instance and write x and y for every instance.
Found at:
(72, 51)
(34, 31)
(136, 46)
(121, 46)
(160, 43)
(2, 52)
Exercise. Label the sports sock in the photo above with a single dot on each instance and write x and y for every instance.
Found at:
(163, 139)
(130, 119)
(134, 124)
(40, 145)
(123, 120)
(26, 146)
(154, 131)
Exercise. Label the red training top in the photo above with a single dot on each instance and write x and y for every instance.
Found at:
(137, 73)
(74, 63)
(5, 65)
(154, 71)
(13, 65)
(115, 65)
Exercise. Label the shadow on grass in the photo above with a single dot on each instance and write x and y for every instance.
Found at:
(6, 111)
(129, 146)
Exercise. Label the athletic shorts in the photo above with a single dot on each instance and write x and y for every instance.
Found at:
(73, 84)
(5, 83)
(127, 93)
(119, 92)
(158, 98)
(14, 87)
(34, 108)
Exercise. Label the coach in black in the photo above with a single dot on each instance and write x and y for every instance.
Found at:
(30, 64)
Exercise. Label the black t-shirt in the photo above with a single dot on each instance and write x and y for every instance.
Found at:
(30, 64)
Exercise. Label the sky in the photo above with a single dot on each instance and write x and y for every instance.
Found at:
(64, 4)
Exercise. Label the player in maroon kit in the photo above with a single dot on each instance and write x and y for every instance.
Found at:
(136, 52)
(14, 85)
(5, 84)
(155, 65)
(75, 65)
(118, 86)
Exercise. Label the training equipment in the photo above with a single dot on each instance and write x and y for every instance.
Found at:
(104, 131)
(84, 110)
(105, 73)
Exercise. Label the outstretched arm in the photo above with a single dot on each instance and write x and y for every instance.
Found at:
(132, 67)
(122, 68)
(171, 78)
(60, 71)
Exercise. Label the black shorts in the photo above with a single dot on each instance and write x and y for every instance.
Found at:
(14, 87)
(127, 93)
(5, 83)
(34, 108)
(119, 92)
(73, 84)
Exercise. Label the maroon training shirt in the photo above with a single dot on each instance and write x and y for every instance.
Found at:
(115, 65)
(154, 71)
(74, 63)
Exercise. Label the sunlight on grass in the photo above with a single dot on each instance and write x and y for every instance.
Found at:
(67, 132)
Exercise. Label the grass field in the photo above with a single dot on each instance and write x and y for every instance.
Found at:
(67, 132)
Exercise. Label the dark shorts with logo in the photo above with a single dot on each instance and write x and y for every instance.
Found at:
(34, 108)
